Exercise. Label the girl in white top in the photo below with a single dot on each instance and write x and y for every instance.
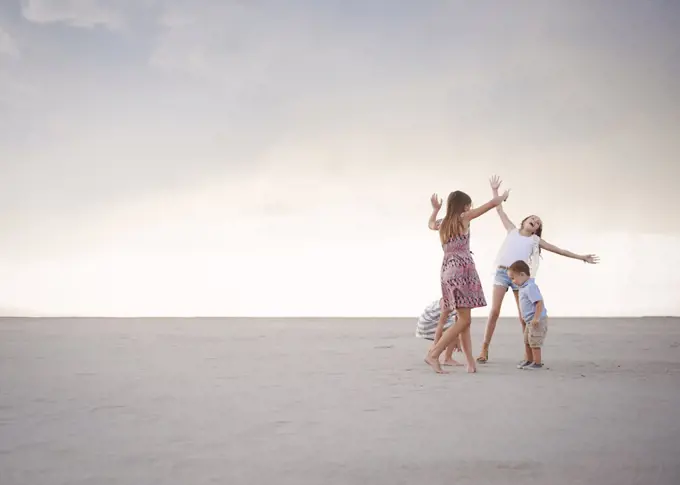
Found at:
(521, 244)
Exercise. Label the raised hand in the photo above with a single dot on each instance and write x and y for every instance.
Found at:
(495, 182)
(591, 259)
(436, 202)
(505, 195)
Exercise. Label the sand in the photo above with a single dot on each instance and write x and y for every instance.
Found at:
(325, 402)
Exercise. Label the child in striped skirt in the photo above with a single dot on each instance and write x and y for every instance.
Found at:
(427, 326)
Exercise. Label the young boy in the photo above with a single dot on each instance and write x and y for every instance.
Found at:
(534, 314)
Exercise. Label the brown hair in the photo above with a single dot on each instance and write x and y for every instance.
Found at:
(520, 267)
(452, 225)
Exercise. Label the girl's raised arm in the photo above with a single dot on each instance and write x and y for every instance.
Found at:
(586, 258)
(495, 183)
(478, 211)
(436, 202)
(507, 223)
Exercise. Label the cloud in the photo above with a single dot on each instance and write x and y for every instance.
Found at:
(218, 136)
(313, 93)
(327, 93)
(8, 45)
(86, 14)
(235, 42)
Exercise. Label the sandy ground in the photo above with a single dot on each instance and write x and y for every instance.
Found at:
(238, 401)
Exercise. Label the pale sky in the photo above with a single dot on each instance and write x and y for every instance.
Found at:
(276, 158)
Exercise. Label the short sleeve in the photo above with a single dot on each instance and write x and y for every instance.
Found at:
(534, 293)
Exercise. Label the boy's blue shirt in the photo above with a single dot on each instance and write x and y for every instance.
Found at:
(529, 295)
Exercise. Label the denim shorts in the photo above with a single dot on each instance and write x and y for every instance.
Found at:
(502, 279)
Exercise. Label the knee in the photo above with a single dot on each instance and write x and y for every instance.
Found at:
(494, 314)
(465, 320)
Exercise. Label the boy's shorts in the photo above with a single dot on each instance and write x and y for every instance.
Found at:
(503, 280)
(534, 336)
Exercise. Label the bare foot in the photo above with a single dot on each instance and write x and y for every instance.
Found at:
(471, 368)
(434, 363)
(452, 363)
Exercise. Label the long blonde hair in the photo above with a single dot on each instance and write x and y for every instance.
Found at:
(452, 225)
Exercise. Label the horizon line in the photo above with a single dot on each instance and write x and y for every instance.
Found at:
(194, 317)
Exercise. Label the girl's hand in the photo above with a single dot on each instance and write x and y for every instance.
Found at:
(436, 202)
(495, 183)
(499, 199)
(590, 259)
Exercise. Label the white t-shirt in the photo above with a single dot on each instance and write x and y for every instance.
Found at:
(519, 248)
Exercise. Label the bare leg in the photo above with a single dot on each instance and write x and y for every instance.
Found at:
(448, 355)
(494, 312)
(448, 337)
(527, 350)
(528, 353)
(466, 343)
(438, 339)
(536, 351)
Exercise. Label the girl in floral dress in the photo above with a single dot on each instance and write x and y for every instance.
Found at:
(461, 288)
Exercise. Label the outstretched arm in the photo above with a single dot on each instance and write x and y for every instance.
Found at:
(483, 209)
(433, 223)
(436, 202)
(495, 183)
(507, 223)
(586, 258)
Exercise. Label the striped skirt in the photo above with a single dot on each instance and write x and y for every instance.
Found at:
(427, 322)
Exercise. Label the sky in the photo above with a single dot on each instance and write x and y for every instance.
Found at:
(276, 158)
